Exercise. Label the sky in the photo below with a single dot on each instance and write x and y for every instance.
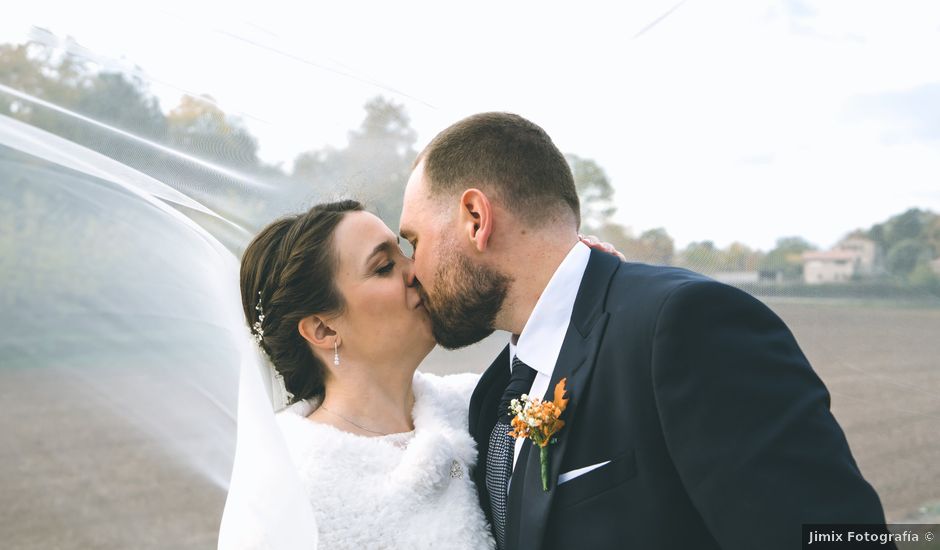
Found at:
(724, 120)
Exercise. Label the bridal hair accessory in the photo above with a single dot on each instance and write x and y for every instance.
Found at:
(335, 353)
(539, 421)
(256, 326)
(280, 380)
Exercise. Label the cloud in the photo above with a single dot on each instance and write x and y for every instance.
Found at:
(759, 158)
(798, 9)
(907, 115)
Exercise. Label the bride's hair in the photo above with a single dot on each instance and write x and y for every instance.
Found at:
(292, 262)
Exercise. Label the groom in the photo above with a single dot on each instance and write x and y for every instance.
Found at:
(694, 420)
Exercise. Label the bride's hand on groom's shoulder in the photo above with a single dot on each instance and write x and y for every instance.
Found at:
(596, 244)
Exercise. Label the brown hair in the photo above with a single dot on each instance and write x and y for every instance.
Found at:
(292, 263)
(507, 154)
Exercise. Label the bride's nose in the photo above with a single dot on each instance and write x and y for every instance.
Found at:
(408, 272)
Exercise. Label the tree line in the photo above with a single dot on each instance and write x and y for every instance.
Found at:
(373, 165)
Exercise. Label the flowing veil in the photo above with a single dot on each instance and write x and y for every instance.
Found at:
(265, 502)
(138, 159)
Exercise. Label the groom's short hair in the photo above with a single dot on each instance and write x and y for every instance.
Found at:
(508, 156)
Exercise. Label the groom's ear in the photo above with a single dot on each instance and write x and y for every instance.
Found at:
(476, 217)
(317, 332)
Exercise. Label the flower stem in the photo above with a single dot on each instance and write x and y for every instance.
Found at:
(543, 458)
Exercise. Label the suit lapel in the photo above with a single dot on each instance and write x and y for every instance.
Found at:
(576, 360)
(482, 418)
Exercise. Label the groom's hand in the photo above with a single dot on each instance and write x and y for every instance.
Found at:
(596, 244)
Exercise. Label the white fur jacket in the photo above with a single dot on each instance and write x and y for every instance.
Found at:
(371, 493)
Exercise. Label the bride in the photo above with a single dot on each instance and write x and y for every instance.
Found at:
(382, 452)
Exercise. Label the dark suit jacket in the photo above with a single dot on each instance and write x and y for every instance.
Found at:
(717, 428)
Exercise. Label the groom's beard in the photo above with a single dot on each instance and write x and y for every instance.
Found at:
(466, 300)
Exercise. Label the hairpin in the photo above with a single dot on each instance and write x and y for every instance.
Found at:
(256, 327)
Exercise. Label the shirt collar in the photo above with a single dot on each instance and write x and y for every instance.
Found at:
(540, 341)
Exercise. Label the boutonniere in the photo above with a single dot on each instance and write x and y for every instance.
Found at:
(540, 421)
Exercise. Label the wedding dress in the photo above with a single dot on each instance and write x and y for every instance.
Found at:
(411, 490)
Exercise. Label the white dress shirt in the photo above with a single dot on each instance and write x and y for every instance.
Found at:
(540, 341)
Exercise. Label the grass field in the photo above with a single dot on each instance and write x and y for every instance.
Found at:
(75, 475)
(882, 367)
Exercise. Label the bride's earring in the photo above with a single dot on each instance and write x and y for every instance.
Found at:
(335, 353)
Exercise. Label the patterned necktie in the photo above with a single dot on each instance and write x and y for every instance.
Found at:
(501, 447)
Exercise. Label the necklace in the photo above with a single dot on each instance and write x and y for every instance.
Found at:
(341, 417)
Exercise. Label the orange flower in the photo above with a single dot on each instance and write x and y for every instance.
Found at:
(519, 428)
(560, 390)
(539, 421)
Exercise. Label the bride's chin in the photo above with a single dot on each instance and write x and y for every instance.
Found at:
(425, 337)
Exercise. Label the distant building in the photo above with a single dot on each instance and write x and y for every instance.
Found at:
(852, 258)
(831, 266)
(866, 250)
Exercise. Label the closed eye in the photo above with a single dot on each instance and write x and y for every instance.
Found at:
(386, 269)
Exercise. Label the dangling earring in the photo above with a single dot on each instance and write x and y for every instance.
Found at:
(335, 353)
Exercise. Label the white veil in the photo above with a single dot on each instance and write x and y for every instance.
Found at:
(266, 507)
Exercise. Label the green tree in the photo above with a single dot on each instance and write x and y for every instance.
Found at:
(658, 247)
(124, 103)
(906, 255)
(701, 256)
(595, 193)
(120, 102)
(932, 236)
(740, 257)
(108, 97)
(31, 69)
(199, 127)
(923, 277)
(375, 165)
(912, 224)
(787, 257)
(622, 239)
(908, 225)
